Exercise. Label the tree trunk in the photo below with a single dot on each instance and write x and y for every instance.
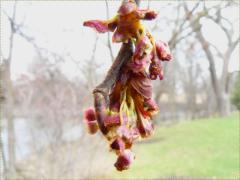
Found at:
(8, 107)
(221, 96)
(2, 156)
(226, 108)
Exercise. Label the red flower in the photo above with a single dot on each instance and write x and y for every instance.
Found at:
(89, 114)
(118, 145)
(91, 121)
(124, 160)
(146, 14)
(163, 51)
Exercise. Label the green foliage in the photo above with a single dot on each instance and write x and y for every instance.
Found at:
(203, 148)
(236, 93)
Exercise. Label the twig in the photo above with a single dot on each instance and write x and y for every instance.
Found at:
(108, 34)
(101, 92)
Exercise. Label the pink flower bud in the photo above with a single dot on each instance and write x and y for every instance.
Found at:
(89, 114)
(150, 15)
(90, 120)
(127, 7)
(124, 160)
(118, 145)
(146, 14)
(163, 51)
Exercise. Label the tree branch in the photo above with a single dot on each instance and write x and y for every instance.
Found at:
(177, 31)
(101, 92)
(108, 34)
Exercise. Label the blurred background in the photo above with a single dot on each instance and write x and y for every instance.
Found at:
(50, 63)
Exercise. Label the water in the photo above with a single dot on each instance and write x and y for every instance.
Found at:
(24, 137)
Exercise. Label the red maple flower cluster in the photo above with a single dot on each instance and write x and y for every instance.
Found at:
(128, 116)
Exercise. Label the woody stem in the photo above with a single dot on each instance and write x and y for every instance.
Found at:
(101, 92)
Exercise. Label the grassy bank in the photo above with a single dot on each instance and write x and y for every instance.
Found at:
(206, 148)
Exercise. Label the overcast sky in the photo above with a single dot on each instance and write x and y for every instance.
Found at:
(57, 26)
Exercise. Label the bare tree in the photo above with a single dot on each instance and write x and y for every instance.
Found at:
(190, 24)
(52, 105)
(7, 89)
(220, 85)
(108, 34)
(179, 33)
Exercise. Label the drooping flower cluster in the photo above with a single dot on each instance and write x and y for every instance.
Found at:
(128, 116)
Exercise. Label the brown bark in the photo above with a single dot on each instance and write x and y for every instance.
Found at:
(226, 58)
(212, 68)
(101, 92)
